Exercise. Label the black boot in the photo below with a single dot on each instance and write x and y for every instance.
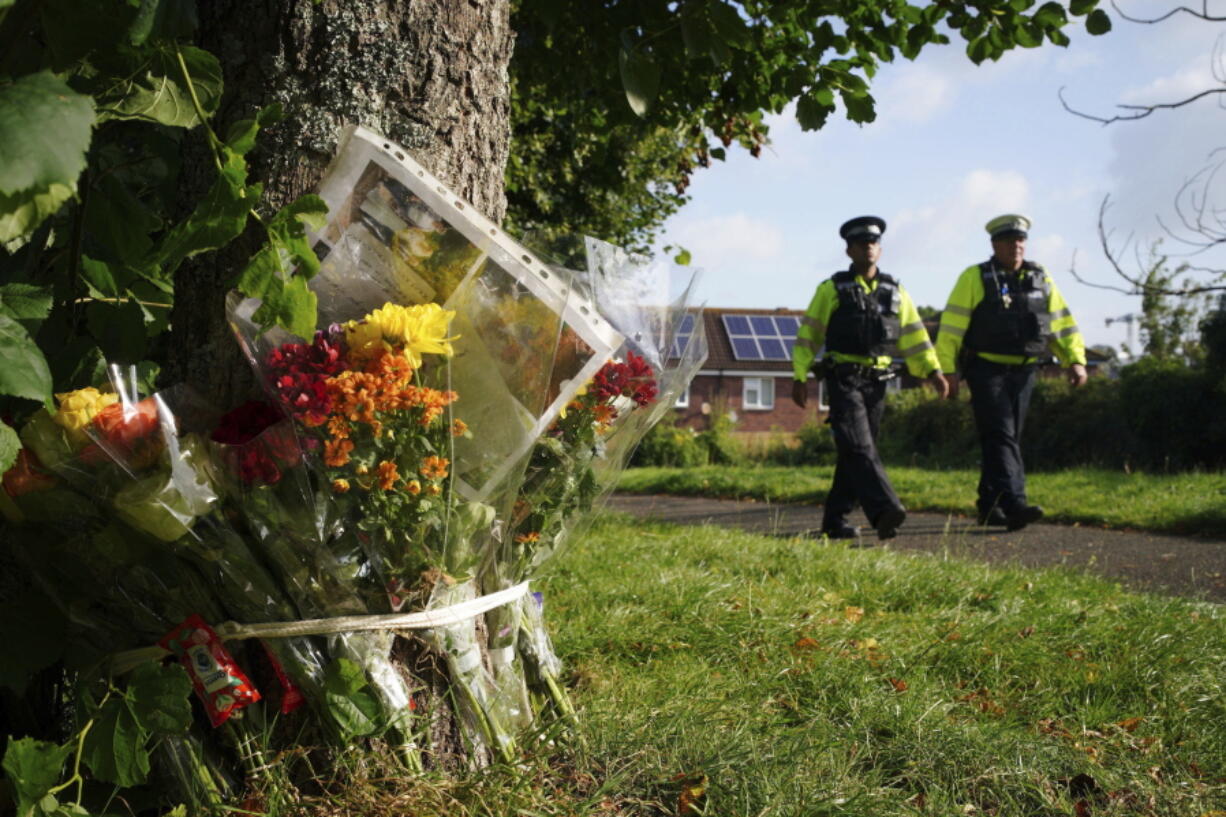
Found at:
(1023, 515)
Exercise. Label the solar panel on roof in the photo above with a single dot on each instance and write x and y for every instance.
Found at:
(761, 337)
(682, 339)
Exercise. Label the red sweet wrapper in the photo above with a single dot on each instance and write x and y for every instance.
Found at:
(220, 684)
(291, 696)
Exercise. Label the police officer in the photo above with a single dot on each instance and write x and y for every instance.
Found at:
(1002, 317)
(861, 315)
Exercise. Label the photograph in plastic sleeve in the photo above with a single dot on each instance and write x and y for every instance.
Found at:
(526, 342)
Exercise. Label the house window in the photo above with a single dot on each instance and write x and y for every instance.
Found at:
(683, 399)
(758, 393)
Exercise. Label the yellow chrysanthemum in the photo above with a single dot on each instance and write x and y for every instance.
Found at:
(77, 409)
(419, 329)
(363, 339)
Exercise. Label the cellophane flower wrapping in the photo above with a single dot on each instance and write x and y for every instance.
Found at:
(575, 466)
(167, 487)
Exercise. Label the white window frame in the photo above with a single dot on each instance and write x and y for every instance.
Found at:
(683, 399)
(765, 388)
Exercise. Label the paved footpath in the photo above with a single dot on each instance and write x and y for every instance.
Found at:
(1181, 565)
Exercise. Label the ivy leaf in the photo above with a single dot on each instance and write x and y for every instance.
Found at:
(33, 767)
(32, 108)
(31, 626)
(640, 79)
(114, 748)
(149, 86)
(1098, 22)
(28, 304)
(218, 219)
(23, 368)
(161, 698)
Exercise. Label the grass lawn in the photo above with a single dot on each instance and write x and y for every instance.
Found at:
(766, 676)
(1180, 503)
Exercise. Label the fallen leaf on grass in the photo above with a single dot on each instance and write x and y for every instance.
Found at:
(899, 684)
(1081, 809)
(853, 614)
(806, 643)
(693, 790)
(1129, 724)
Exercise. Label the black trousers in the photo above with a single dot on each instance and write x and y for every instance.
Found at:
(857, 400)
(1000, 397)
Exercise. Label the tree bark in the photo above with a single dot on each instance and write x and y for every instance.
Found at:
(431, 75)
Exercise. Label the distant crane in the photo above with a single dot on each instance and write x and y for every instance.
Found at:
(1130, 320)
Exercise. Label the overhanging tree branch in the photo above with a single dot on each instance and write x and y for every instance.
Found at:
(1203, 14)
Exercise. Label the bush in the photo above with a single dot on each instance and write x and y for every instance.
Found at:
(668, 445)
(919, 428)
(1068, 427)
(718, 442)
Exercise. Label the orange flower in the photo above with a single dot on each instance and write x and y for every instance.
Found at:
(434, 467)
(433, 490)
(413, 487)
(605, 414)
(458, 428)
(338, 427)
(528, 538)
(340, 486)
(387, 475)
(336, 452)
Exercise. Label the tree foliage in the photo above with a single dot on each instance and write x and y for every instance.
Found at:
(616, 106)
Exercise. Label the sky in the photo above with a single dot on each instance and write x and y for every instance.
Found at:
(955, 144)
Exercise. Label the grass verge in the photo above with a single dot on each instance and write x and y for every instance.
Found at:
(722, 672)
(1190, 503)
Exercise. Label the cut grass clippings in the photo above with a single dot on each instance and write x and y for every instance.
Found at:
(724, 672)
(1189, 503)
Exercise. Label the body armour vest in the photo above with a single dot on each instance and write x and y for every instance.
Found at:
(1011, 321)
(864, 323)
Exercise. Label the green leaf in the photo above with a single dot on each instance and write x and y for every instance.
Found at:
(811, 113)
(1050, 15)
(355, 711)
(149, 86)
(119, 330)
(1098, 22)
(1081, 7)
(45, 129)
(34, 768)
(23, 369)
(218, 219)
(696, 33)
(640, 79)
(10, 444)
(118, 223)
(98, 278)
(28, 304)
(1058, 38)
(859, 108)
(114, 748)
(161, 698)
(719, 153)
(729, 25)
(74, 29)
(163, 19)
(240, 138)
(21, 213)
(295, 307)
(32, 628)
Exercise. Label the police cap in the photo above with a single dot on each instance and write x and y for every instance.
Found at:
(863, 228)
(1010, 225)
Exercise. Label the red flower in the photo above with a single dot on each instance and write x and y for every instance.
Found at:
(633, 379)
(297, 372)
(256, 449)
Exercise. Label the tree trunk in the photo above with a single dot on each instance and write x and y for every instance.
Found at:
(428, 74)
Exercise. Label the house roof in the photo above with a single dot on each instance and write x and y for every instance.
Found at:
(719, 347)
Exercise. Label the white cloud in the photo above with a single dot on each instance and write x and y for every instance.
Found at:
(727, 240)
(994, 191)
(916, 95)
(1188, 81)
